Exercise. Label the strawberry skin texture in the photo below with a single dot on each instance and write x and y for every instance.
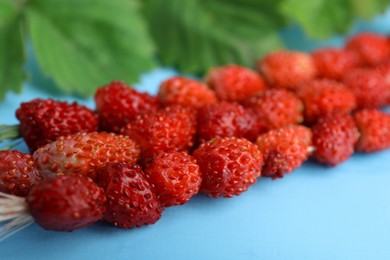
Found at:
(322, 97)
(66, 203)
(334, 63)
(276, 108)
(371, 48)
(229, 166)
(226, 119)
(130, 199)
(287, 69)
(117, 104)
(18, 173)
(172, 128)
(44, 121)
(374, 129)
(185, 92)
(175, 177)
(334, 138)
(84, 153)
(234, 83)
(284, 149)
(369, 86)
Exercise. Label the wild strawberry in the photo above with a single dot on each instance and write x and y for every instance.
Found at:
(84, 153)
(130, 200)
(334, 63)
(228, 165)
(117, 104)
(172, 128)
(369, 87)
(334, 138)
(235, 83)
(284, 149)
(322, 97)
(66, 203)
(226, 119)
(276, 108)
(374, 129)
(17, 173)
(287, 69)
(43, 121)
(174, 176)
(371, 48)
(185, 92)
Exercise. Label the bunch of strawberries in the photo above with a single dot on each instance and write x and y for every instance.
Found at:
(137, 153)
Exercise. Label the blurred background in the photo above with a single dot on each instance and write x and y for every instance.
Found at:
(75, 46)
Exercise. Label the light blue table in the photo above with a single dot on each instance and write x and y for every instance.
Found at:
(314, 213)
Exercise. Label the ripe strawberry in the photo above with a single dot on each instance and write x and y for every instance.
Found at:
(130, 200)
(334, 138)
(185, 92)
(84, 153)
(117, 104)
(228, 165)
(287, 69)
(172, 128)
(17, 173)
(284, 149)
(371, 48)
(175, 177)
(226, 119)
(374, 129)
(66, 203)
(234, 83)
(322, 97)
(334, 63)
(276, 108)
(369, 87)
(384, 70)
(43, 121)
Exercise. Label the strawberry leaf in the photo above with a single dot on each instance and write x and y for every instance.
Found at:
(83, 44)
(196, 35)
(12, 55)
(322, 18)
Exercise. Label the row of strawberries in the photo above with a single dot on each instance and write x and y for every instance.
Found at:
(216, 137)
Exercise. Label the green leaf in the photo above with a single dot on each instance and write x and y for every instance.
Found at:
(367, 9)
(84, 44)
(195, 35)
(12, 56)
(322, 18)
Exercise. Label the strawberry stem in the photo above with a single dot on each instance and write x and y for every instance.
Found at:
(13, 210)
(9, 132)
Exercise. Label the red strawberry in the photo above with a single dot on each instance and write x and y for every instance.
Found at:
(276, 108)
(185, 92)
(334, 63)
(172, 128)
(322, 97)
(130, 200)
(226, 119)
(287, 69)
(117, 104)
(374, 129)
(175, 177)
(43, 121)
(369, 86)
(384, 70)
(284, 149)
(66, 203)
(372, 48)
(228, 165)
(83, 154)
(235, 83)
(17, 173)
(334, 138)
